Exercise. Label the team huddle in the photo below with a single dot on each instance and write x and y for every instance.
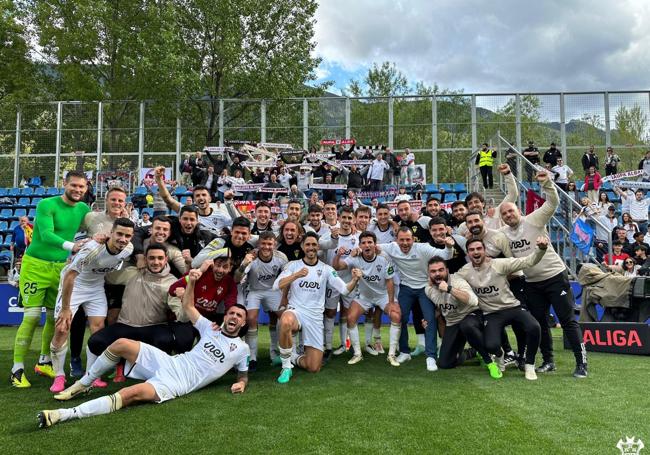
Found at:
(193, 285)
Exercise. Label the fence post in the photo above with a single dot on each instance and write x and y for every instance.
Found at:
(305, 124)
(179, 132)
(608, 132)
(221, 112)
(100, 137)
(565, 153)
(263, 121)
(474, 139)
(391, 100)
(141, 138)
(19, 119)
(57, 159)
(348, 109)
(518, 130)
(434, 139)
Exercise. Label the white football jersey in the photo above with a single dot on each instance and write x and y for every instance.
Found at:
(261, 275)
(308, 293)
(213, 356)
(215, 221)
(349, 242)
(386, 236)
(375, 273)
(323, 230)
(93, 262)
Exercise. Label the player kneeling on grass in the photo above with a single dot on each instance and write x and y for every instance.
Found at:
(489, 280)
(376, 289)
(454, 297)
(307, 280)
(167, 377)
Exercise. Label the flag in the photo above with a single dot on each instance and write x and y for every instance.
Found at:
(582, 235)
(533, 201)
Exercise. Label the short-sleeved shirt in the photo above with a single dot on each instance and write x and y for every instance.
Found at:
(92, 263)
(375, 273)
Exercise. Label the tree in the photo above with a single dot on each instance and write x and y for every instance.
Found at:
(631, 125)
(384, 80)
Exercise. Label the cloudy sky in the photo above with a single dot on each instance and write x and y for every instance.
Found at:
(482, 46)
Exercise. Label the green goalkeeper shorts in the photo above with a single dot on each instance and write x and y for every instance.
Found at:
(39, 282)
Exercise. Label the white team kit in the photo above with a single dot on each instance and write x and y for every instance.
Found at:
(372, 287)
(173, 376)
(260, 276)
(215, 221)
(307, 297)
(92, 262)
(349, 242)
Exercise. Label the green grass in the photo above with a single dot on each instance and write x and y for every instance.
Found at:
(367, 408)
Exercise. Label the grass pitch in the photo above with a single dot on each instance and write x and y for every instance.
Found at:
(370, 407)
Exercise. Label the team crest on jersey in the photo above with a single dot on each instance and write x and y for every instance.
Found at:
(296, 253)
(319, 272)
(354, 241)
(378, 268)
(219, 290)
(275, 269)
(233, 347)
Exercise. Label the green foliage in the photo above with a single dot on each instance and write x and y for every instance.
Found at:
(631, 125)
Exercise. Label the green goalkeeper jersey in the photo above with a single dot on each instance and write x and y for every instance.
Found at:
(55, 226)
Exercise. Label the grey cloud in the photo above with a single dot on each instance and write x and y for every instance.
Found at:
(493, 46)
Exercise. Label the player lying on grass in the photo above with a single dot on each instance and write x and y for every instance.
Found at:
(166, 377)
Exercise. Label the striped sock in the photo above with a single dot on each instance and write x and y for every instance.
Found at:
(104, 363)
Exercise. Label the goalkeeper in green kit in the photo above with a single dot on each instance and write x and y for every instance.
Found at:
(55, 225)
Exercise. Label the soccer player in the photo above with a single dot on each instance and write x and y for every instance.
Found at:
(464, 320)
(259, 272)
(315, 221)
(489, 280)
(383, 227)
(307, 280)
(166, 377)
(343, 237)
(547, 283)
(56, 223)
(376, 289)
(82, 285)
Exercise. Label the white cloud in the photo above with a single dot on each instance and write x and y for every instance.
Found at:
(493, 46)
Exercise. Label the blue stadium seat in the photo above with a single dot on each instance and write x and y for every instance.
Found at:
(4, 226)
(13, 225)
(141, 191)
(579, 183)
(448, 187)
(436, 195)
(18, 213)
(40, 191)
(5, 258)
(23, 202)
(27, 191)
(430, 188)
(2, 245)
(35, 201)
(148, 210)
(460, 188)
(7, 241)
(180, 190)
(52, 191)
(451, 197)
(31, 214)
(606, 186)
(35, 182)
(13, 192)
(6, 214)
(3, 192)
(61, 190)
(462, 196)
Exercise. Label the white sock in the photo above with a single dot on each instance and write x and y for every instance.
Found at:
(343, 330)
(251, 341)
(98, 406)
(354, 339)
(273, 332)
(104, 363)
(58, 358)
(394, 332)
(329, 332)
(17, 366)
(285, 355)
(90, 358)
(44, 358)
(376, 333)
(300, 342)
(420, 339)
(367, 328)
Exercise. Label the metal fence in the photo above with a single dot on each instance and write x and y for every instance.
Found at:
(47, 139)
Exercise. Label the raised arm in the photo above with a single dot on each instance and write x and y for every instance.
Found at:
(209, 252)
(511, 265)
(188, 297)
(543, 215)
(284, 280)
(172, 203)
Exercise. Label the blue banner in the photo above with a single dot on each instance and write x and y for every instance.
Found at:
(582, 235)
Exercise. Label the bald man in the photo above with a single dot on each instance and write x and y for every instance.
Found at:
(547, 282)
